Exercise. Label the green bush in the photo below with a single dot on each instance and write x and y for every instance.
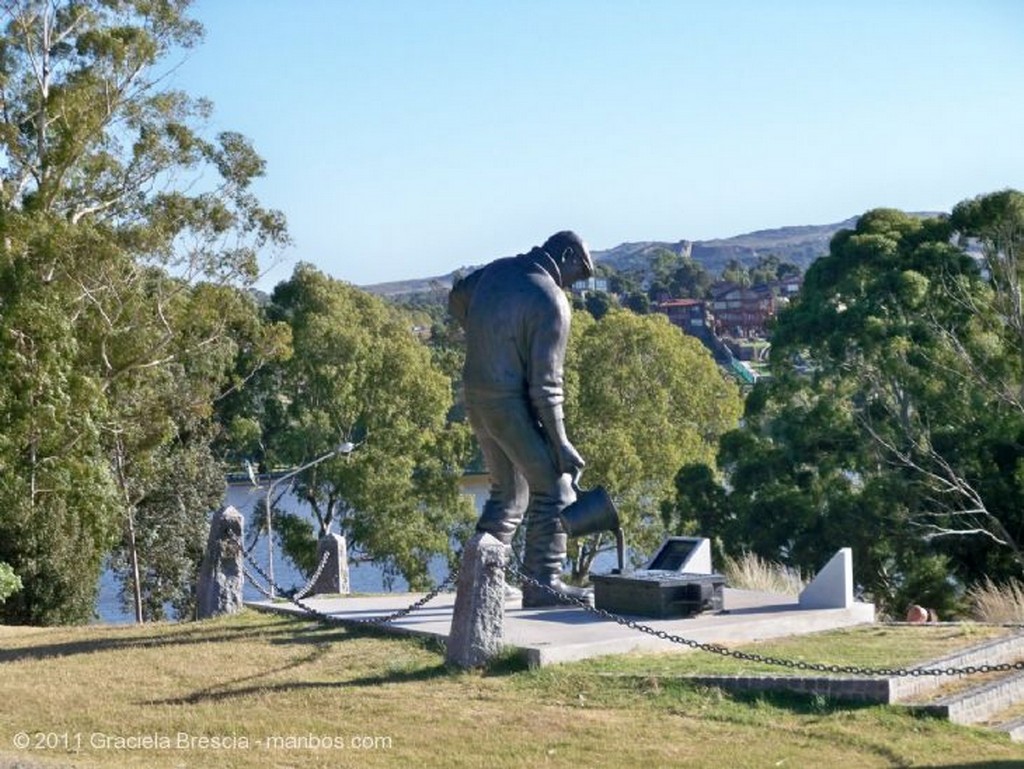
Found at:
(9, 581)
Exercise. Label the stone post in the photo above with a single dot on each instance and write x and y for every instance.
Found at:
(334, 577)
(832, 588)
(220, 576)
(477, 632)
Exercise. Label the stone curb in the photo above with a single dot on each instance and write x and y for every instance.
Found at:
(966, 707)
(1014, 729)
(995, 652)
(977, 704)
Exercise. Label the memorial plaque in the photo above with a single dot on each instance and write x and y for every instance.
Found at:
(677, 582)
(658, 593)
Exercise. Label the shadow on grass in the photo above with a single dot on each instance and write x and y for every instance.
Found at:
(330, 633)
(509, 663)
(798, 703)
(674, 689)
(222, 693)
(182, 634)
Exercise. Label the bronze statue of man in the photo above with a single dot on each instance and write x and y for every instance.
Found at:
(516, 317)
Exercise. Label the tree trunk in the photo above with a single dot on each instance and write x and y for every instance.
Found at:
(133, 556)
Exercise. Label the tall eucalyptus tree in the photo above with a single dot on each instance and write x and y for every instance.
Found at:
(122, 225)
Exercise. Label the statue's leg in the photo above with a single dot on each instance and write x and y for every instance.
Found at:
(503, 511)
(520, 441)
(545, 553)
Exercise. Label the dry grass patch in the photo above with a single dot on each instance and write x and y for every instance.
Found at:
(866, 646)
(751, 572)
(990, 602)
(265, 688)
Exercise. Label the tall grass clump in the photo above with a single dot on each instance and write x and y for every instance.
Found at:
(989, 602)
(751, 572)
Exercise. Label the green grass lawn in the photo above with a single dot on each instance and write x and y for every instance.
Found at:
(258, 690)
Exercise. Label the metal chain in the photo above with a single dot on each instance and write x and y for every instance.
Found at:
(418, 604)
(766, 660)
(252, 545)
(316, 575)
(333, 620)
(711, 648)
(255, 584)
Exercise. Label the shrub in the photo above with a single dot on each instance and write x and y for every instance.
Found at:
(9, 581)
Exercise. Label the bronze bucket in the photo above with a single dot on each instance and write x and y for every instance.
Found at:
(594, 511)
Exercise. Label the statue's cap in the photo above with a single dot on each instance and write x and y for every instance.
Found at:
(567, 239)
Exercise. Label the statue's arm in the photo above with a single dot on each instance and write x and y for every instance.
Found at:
(545, 376)
(460, 296)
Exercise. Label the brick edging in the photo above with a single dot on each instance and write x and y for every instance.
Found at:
(861, 688)
(876, 689)
(993, 652)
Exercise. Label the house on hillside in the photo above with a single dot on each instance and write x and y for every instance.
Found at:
(742, 311)
(693, 317)
(589, 285)
(788, 288)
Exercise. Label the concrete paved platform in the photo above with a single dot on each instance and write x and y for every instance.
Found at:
(548, 636)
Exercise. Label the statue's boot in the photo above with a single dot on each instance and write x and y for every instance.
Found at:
(543, 559)
(496, 521)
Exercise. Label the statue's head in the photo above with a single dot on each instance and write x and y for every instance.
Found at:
(571, 255)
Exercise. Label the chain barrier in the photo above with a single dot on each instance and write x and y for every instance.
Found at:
(253, 581)
(333, 620)
(711, 648)
(760, 658)
(316, 575)
(252, 546)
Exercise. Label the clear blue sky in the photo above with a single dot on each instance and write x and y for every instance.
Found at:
(407, 138)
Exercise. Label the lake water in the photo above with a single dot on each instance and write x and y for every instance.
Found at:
(245, 497)
(363, 577)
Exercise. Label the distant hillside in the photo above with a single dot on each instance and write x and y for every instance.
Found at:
(800, 245)
(417, 285)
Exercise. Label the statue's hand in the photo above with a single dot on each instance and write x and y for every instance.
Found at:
(569, 460)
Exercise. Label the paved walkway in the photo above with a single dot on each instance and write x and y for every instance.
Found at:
(548, 636)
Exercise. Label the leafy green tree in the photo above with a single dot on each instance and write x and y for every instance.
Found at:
(359, 374)
(664, 263)
(892, 422)
(599, 303)
(787, 270)
(700, 505)
(170, 525)
(690, 279)
(996, 223)
(120, 223)
(637, 302)
(58, 503)
(771, 268)
(921, 325)
(644, 400)
(161, 432)
(736, 272)
(663, 267)
(9, 582)
(621, 283)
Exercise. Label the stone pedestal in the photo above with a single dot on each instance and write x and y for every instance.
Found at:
(220, 576)
(334, 577)
(477, 632)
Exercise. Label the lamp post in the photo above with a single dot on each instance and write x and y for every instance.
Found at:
(342, 449)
